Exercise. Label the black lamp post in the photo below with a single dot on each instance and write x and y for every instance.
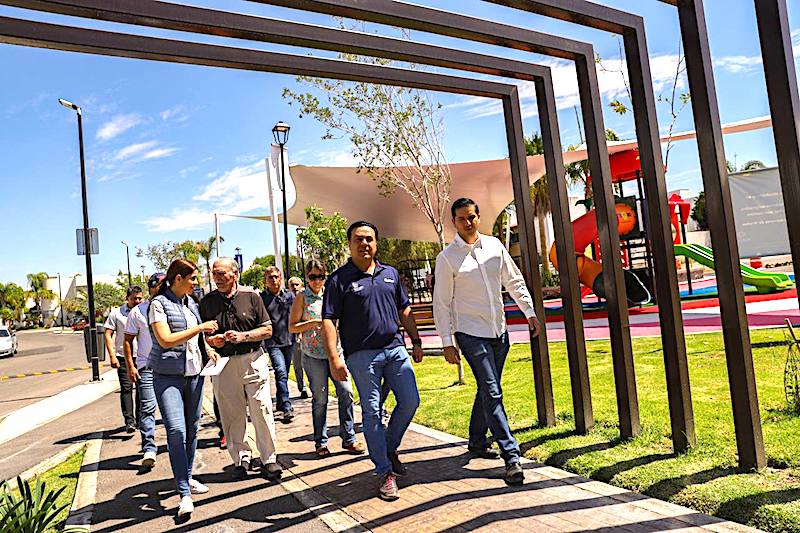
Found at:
(128, 256)
(60, 302)
(281, 134)
(87, 248)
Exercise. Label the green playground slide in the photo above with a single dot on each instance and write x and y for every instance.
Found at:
(763, 281)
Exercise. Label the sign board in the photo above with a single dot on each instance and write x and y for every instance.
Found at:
(239, 261)
(94, 241)
(759, 214)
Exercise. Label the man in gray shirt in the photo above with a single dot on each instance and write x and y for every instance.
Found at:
(115, 338)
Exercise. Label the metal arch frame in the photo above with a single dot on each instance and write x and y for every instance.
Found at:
(59, 37)
(783, 96)
(454, 25)
(212, 22)
(631, 27)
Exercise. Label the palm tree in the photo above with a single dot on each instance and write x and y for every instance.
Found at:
(540, 196)
(38, 290)
(205, 249)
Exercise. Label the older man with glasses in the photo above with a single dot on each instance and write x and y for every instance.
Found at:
(244, 381)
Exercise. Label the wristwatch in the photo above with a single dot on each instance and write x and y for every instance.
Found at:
(416, 342)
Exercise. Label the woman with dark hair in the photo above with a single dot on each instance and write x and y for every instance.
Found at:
(177, 359)
(306, 320)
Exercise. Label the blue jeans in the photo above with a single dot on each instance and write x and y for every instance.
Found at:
(180, 400)
(486, 357)
(318, 372)
(146, 397)
(281, 357)
(369, 368)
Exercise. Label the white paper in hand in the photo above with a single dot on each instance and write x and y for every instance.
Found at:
(214, 369)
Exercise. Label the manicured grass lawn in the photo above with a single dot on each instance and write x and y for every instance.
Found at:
(63, 475)
(705, 479)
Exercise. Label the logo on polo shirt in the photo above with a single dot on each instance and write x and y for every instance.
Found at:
(388, 280)
(357, 287)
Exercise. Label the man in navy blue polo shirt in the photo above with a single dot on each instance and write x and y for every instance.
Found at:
(370, 303)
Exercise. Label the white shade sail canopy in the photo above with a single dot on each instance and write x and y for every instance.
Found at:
(355, 196)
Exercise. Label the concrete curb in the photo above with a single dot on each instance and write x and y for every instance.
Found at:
(47, 464)
(37, 414)
(80, 514)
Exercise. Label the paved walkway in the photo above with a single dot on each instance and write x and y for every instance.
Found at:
(445, 490)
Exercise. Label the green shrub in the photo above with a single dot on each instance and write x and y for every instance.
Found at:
(30, 511)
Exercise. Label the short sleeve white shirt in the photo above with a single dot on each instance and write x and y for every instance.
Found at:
(194, 360)
(116, 320)
(137, 325)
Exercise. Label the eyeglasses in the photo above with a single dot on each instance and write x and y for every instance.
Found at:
(316, 277)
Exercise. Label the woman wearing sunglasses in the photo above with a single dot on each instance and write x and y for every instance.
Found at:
(306, 320)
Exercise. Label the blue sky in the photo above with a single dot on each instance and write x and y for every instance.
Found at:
(168, 144)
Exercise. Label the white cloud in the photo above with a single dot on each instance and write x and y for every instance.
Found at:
(117, 125)
(177, 112)
(159, 153)
(133, 150)
(611, 82)
(239, 190)
(333, 158)
(738, 64)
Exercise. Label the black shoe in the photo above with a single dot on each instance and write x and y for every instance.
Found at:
(514, 474)
(288, 415)
(304, 394)
(483, 452)
(240, 471)
(398, 468)
(130, 428)
(272, 471)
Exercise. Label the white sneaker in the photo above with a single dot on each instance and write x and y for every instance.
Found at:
(186, 506)
(149, 460)
(196, 487)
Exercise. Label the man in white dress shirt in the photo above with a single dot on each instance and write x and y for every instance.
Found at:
(468, 310)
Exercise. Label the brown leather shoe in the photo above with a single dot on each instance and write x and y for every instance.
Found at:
(357, 448)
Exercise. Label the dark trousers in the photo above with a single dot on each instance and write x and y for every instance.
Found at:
(129, 411)
(281, 357)
(486, 357)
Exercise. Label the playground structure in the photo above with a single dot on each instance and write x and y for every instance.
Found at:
(635, 248)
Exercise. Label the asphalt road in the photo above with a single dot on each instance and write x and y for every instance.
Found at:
(42, 351)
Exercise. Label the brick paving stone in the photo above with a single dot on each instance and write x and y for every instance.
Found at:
(449, 490)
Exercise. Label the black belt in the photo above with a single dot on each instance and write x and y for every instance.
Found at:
(242, 349)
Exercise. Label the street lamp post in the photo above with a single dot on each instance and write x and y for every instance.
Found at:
(128, 256)
(87, 248)
(281, 134)
(60, 302)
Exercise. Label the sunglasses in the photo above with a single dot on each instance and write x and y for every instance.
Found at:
(316, 277)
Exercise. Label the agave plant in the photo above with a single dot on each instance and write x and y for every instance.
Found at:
(31, 511)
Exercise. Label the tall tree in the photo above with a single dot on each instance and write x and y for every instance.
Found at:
(397, 135)
(324, 237)
(12, 301)
(753, 164)
(253, 276)
(540, 196)
(38, 290)
(671, 96)
(205, 249)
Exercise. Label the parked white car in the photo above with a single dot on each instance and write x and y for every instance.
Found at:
(8, 342)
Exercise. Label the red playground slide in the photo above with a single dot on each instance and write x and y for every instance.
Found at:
(590, 272)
